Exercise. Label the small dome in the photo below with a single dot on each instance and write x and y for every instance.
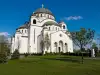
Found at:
(61, 22)
(50, 23)
(23, 26)
(43, 10)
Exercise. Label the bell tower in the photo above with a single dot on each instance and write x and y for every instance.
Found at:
(35, 30)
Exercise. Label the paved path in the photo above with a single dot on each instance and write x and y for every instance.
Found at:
(93, 58)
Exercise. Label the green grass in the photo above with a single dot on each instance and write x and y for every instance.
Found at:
(51, 65)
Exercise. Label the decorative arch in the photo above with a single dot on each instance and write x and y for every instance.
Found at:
(60, 45)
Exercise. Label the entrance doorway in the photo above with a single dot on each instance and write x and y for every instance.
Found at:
(59, 49)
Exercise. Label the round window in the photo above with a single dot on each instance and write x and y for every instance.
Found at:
(60, 35)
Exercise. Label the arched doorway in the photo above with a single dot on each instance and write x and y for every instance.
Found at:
(60, 46)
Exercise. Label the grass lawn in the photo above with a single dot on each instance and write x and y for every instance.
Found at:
(51, 65)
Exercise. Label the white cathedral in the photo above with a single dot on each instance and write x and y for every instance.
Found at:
(42, 34)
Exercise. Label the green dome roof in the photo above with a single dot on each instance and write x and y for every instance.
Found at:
(43, 10)
(50, 23)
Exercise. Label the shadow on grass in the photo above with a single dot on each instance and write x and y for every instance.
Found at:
(28, 61)
(66, 59)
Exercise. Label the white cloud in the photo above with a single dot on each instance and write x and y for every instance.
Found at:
(73, 18)
(4, 33)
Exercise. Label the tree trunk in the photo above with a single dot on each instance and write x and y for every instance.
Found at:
(82, 54)
(82, 58)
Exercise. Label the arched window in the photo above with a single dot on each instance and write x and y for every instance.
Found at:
(22, 31)
(41, 15)
(60, 42)
(25, 31)
(55, 44)
(65, 44)
(63, 26)
(48, 16)
(34, 21)
(56, 28)
(60, 35)
(49, 28)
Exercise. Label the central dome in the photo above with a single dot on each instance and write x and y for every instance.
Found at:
(43, 10)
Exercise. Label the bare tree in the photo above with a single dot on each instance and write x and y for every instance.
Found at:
(42, 45)
(82, 38)
(47, 41)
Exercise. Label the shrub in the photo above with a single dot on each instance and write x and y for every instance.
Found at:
(75, 54)
(97, 54)
(36, 54)
(26, 54)
(15, 55)
(3, 57)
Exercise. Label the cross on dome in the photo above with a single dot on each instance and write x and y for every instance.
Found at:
(42, 5)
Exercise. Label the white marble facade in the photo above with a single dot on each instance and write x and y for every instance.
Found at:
(29, 38)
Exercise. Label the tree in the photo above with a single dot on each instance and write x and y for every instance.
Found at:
(82, 38)
(15, 54)
(3, 49)
(42, 45)
(94, 45)
(45, 43)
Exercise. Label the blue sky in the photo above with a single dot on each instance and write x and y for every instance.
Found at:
(76, 13)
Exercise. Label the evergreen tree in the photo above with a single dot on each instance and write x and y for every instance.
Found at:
(3, 49)
(15, 54)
